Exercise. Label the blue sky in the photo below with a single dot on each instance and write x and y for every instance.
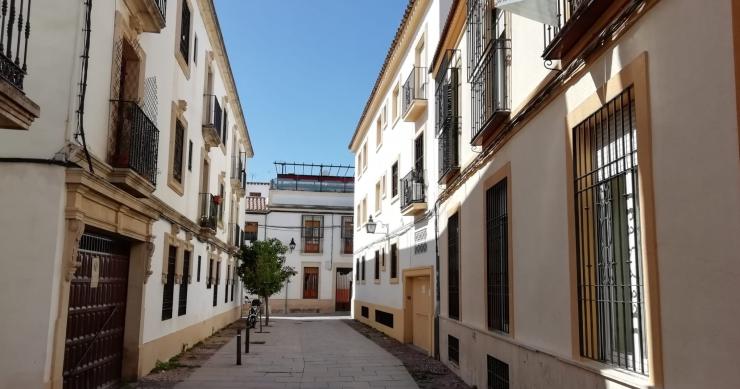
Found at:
(304, 70)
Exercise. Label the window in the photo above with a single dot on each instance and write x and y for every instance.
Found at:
(364, 210)
(182, 306)
(364, 157)
(382, 259)
(363, 268)
(357, 270)
(419, 153)
(447, 123)
(221, 194)
(198, 273)
(365, 312)
(312, 233)
(225, 128)
(250, 231)
(178, 154)
(384, 318)
(378, 133)
(394, 179)
(608, 243)
(209, 280)
(497, 258)
(190, 155)
(395, 103)
(195, 49)
(185, 30)
(498, 374)
(378, 196)
(453, 349)
(217, 281)
(168, 294)
(453, 266)
(226, 284)
(255, 194)
(377, 265)
(310, 282)
(358, 215)
(394, 261)
(348, 234)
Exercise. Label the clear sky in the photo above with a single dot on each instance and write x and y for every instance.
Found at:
(304, 70)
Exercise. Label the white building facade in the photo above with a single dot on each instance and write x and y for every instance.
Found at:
(396, 175)
(311, 212)
(134, 176)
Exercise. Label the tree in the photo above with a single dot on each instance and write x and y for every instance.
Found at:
(263, 271)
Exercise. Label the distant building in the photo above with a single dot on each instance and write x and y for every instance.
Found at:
(309, 207)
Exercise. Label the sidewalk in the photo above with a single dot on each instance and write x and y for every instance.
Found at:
(303, 353)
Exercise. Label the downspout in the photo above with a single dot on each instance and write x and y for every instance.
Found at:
(436, 280)
(331, 255)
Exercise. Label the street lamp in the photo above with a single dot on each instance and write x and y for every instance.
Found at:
(291, 245)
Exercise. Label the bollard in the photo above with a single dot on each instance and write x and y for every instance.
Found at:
(260, 322)
(246, 341)
(238, 346)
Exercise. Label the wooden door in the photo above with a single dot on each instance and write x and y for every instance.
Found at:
(421, 312)
(93, 353)
(343, 289)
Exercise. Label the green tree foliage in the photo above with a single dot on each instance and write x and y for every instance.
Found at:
(263, 271)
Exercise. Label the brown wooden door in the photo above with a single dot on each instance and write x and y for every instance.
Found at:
(344, 289)
(93, 352)
(310, 282)
(421, 311)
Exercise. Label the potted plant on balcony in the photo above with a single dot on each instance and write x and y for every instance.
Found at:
(217, 200)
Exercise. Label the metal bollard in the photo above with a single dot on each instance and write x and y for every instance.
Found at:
(238, 346)
(246, 341)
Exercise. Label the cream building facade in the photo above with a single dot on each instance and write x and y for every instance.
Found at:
(589, 215)
(395, 186)
(124, 180)
(308, 207)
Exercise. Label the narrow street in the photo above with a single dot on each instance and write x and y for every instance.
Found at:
(303, 353)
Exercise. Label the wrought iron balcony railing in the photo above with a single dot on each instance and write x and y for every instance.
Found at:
(574, 18)
(414, 89)
(14, 32)
(412, 188)
(210, 210)
(162, 6)
(238, 170)
(448, 117)
(137, 141)
(491, 89)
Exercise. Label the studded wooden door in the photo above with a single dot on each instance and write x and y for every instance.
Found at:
(93, 351)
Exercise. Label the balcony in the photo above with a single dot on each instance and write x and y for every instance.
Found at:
(448, 119)
(17, 111)
(575, 18)
(413, 198)
(239, 173)
(137, 142)
(151, 14)
(211, 207)
(491, 91)
(212, 115)
(414, 101)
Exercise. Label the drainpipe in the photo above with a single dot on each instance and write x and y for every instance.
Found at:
(436, 277)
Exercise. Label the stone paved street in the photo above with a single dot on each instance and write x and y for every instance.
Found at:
(303, 353)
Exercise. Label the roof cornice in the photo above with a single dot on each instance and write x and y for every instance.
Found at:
(213, 28)
(401, 42)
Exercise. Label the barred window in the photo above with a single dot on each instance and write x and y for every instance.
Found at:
(394, 179)
(178, 154)
(185, 31)
(453, 349)
(498, 374)
(377, 265)
(182, 307)
(497, 258)
(168, 294)
(312, 233)
(250, 231)
(608, 244)
(453, 266)
(394, 261)
(363, 268)
(348, 233)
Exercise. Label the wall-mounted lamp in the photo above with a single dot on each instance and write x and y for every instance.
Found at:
(371, 225)
(291, 245)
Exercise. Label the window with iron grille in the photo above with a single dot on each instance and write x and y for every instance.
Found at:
(453, 266)
(348, 233)
(611, 291)
(498, 374)
(195, 49)
(226, 284)
(357, 272)
(250, 231)
(178, 154)
(384, 318)
(182, 307)
(310, 282)
(312, 233)
(419, 154)
(446, 100)
(394, 261)
(198, 273)
(497, 257)
(377, 265)
(489, 48)
(185, 31)
(209, 280)
(394, 179)
(363, 268)
(225, 130)
(453, 349)
(168, 295)
(216, 282)
(190, 155)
